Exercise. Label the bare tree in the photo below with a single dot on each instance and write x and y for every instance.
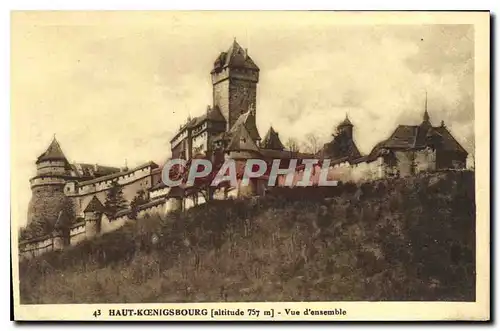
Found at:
(312, 143)
(292, 145)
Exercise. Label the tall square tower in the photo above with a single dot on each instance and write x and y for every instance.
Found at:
(234, 78)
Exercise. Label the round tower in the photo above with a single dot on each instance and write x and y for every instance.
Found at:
(93, 213)
(47, 187)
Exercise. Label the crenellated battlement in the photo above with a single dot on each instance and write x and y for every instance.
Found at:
(47, 180)
(75, 188)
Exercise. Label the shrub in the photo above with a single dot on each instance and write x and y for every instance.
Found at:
(402, 239)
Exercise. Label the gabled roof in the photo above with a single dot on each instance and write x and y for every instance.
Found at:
(241, 140)
(53, 152)
(235, 57)
(212, 114)
(448, 142)
(215, 115)
(342, 146)
(403, 137)
(248, 120)
(407, 137)
(94, 205)
(272, 140)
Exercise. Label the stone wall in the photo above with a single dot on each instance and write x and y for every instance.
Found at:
(77, 233)
(158, 193)
(232, 94)
(129, 188)
(46, 203)
(39, 181)
(242, 93)
(221, 97)
(51, 167)
(425, 160)
(344, 171)
(36, 247)
(97, 185)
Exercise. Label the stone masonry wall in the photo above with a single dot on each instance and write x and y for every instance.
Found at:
(46, 203)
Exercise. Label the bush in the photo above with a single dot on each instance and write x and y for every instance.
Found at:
(399, 239)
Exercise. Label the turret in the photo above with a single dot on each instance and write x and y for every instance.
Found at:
(52, 167)
(346, 126)
(93, 213)
(272, 140)
(426, 120)
(48, 197)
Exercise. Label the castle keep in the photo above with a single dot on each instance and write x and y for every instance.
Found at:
(68, 199)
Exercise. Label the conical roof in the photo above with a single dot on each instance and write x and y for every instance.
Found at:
(272, 140)
(426, 118)
(345, 122)
(94, 205)
(53, 152)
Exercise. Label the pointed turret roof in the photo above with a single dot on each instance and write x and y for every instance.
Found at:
(248, 120)
(235, 57)
(426, 118)
(345, 122)
(241, 140)
(272, 140)
(94, 205)
(53, 152)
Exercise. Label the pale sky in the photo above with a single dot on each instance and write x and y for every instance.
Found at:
(115, 86)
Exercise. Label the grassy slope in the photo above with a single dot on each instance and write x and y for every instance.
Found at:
(404, 239)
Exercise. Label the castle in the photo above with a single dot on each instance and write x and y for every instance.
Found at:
(68, 199)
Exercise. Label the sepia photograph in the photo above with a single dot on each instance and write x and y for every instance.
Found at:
(250, 165)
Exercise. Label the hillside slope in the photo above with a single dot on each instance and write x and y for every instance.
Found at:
(402, 239)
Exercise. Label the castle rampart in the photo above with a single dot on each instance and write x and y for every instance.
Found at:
(77, 233)
(228, 126)
(104, 183)
(48, 180)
